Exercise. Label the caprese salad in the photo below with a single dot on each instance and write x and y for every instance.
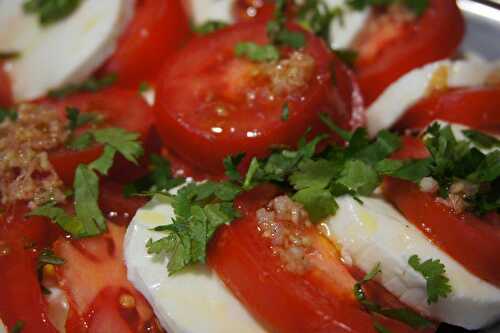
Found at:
(288, 166)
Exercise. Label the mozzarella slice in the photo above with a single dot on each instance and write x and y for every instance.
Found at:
(413, 86)
(344, 30)
(211, 10)
(375, 232)
(192, 301)
(68, 51)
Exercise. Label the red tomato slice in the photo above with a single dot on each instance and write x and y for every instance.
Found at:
(245, 10)
(211, 104)
(390, 47)
(455, 233)
(474, 107)
(21, 297)
(124, 109)
(158, 29)
(319, 300)
(6, 98)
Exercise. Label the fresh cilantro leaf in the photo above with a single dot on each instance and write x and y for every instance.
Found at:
(252, 170)
(231, 164)
(87, 209)
(488, 170)
(18, 327)
(125, 142)
(8, 113)
(417, 6)
(78, 119)
(256, 52)
(91, 85)
(327, 120)
(9, 55)
(347, 56)
(412, 170)
(285, 112)
(316, 16)
(312, 173)
(81, 142)
(359, 177)
(482, 140)
(278, 33)
(407, 316)
(386, 143)
(48, 256)
(381, 328)
(433, 272)
(50, 11)
(159, 178)
(209, 27)
(69, 224)
(319, 203)
(105, 161)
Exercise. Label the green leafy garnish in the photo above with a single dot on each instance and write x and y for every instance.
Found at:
(9, 55)
(209, 27)
(159, 178)
(406, 316)
(50, 11)
(231, 164)
(18, 327)
(316, 16)
(144, 87)
(8, 113)
(417, 6)
(256, 52)
(91, 85)
(47, 257)
(199, 210)
(347, 56)
(433, 272)
(381, 328)
(482, 140)
(285, 112)
(78, 119)
(278, 33)
(88, 219)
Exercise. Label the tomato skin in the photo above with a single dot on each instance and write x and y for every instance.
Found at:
(245, 10)
(206, 74)
(320, 300)
(121, 108)
(6, 97)
(21, 297)
(454, 233)
(417, 44)
(474, 107)
(159, 28)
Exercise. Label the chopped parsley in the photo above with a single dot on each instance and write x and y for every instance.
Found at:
(404, 315)
(7, 113)
(77, 119)
(256, 52)
(90, 85)
(159, 178)
(88, 219)
(199, 210)
(209, 27)
(417, 6)
(231, 164)
(279, 34)
(433, 272)
(347, 56)
(316, 16)
(50, 11)
(482, 140)
(9, 55)
(285, 112)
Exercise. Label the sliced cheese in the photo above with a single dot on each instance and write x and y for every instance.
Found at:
(344, 29)
(211, 10)
(192, 301)
(374, 232)
(67, 51)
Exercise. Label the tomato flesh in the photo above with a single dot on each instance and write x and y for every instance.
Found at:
(455, 233)
(212, 104)
(120, 108)
(383, 59)
(473, 107)
(6, 98)
(159, 28)
(320, 300)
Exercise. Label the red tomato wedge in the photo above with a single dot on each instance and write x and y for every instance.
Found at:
(95, 280)
(211, 104)
(6, 98)
(455, 233)
(391, 46)
(159, 28)
(245, 10)
(21, 296)
(120, 108)
(474, 107)
(319, 300)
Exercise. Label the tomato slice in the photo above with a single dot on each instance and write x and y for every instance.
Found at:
(21, 296)
(319, 300)
(211, 104)
(120, 108)
(6, 98)
(474, 107)
(390, 47)
(245, 10)
(159, 28)
(455, 233)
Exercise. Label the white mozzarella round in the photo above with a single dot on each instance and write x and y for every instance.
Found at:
(68, 51)
(386, 110)
(374, 232)
(192, 301)
(211, 10)
(344, 30)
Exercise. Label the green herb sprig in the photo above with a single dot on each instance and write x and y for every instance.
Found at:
(50, 11)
